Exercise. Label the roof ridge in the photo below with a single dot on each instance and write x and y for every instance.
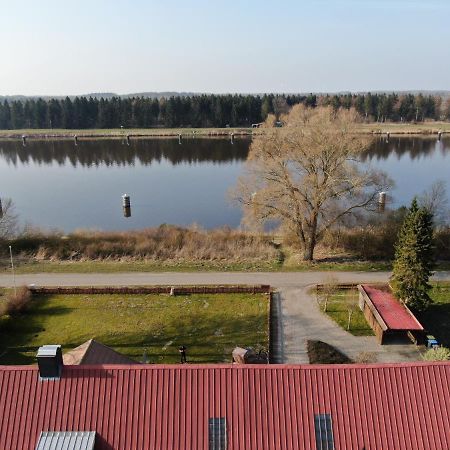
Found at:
(230, 366)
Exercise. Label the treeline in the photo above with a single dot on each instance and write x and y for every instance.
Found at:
(207, 110)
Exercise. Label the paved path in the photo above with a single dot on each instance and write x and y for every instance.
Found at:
(300, 316)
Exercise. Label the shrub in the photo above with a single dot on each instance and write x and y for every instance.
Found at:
(437, 354)
(17, 302)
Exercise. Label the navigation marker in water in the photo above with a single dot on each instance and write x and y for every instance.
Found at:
(128, 139)
(381, 201)
(24, 140)
(439, 135)
(179, 139)
(126, 204)
(388, 134)
(232, 138)
(75, 140)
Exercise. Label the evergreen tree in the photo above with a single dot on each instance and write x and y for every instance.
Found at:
(414, 259)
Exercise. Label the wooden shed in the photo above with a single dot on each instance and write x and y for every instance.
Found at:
(389, 318)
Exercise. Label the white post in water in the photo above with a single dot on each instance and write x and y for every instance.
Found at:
(388, 135)
(232, 138)
(126, 205)
(75, 140)
(179, 139)
(13, 272)
(439, 135)
(126, 201)
(381, 201)
(24, 140)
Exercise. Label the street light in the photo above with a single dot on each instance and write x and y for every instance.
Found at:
(14, 274)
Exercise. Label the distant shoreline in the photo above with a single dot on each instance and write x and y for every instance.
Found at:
(426, 128)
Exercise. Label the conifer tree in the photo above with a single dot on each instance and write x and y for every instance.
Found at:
(414, 259)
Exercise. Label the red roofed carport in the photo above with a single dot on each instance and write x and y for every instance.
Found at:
(387, 316)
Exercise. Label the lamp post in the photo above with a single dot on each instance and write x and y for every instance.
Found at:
(12, 268)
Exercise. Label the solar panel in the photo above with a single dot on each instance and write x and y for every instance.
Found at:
(66, 440)
(324, 432)
(217, 433)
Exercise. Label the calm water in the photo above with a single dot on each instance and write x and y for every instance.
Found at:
(57, 185)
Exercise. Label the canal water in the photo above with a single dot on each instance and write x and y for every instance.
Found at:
(57, 185)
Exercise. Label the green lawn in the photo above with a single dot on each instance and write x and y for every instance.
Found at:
(337, 309)
(436, 320)
(210, 326)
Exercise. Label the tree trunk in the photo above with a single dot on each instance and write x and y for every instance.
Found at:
(311, 240)
(308, 252)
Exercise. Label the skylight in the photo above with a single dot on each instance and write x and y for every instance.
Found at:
(217, 433)
(324, 432)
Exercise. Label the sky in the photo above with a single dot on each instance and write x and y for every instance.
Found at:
(65, 47)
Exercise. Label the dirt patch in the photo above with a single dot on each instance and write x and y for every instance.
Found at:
(322, 353)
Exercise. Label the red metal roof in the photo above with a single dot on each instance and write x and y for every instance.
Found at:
(394, 314)
(391, 406)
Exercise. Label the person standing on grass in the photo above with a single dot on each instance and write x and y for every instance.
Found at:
(182, 350)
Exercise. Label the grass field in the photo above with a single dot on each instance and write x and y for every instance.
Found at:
(210, 326)
(337, 309)
(436, 320)
(393, 128)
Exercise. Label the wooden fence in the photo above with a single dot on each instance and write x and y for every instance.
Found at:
(172, 290)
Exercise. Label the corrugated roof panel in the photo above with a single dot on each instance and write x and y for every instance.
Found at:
(394, 314)
(138, 407)
(66, 440)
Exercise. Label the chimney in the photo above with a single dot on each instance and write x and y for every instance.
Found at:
(50, 362)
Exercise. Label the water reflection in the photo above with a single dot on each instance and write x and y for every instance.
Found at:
(57, 184)
(109, 152)
(413, 147)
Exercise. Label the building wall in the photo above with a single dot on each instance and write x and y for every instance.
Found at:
(371, 319)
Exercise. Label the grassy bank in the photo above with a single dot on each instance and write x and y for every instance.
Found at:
(176, 249)
(369, 128)
(122, 133)
(210, 326)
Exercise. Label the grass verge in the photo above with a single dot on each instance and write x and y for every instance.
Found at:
(210, 326)
(24, 267)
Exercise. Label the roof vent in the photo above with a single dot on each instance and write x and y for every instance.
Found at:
(50, 362)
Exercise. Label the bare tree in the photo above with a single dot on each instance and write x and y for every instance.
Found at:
(8, 218)
(435, 201)
(308, 174)
(352, 307)
(328, 289)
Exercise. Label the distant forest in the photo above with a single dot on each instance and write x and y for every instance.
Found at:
(207, 110)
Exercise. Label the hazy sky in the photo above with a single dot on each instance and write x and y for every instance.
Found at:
(74, 47)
